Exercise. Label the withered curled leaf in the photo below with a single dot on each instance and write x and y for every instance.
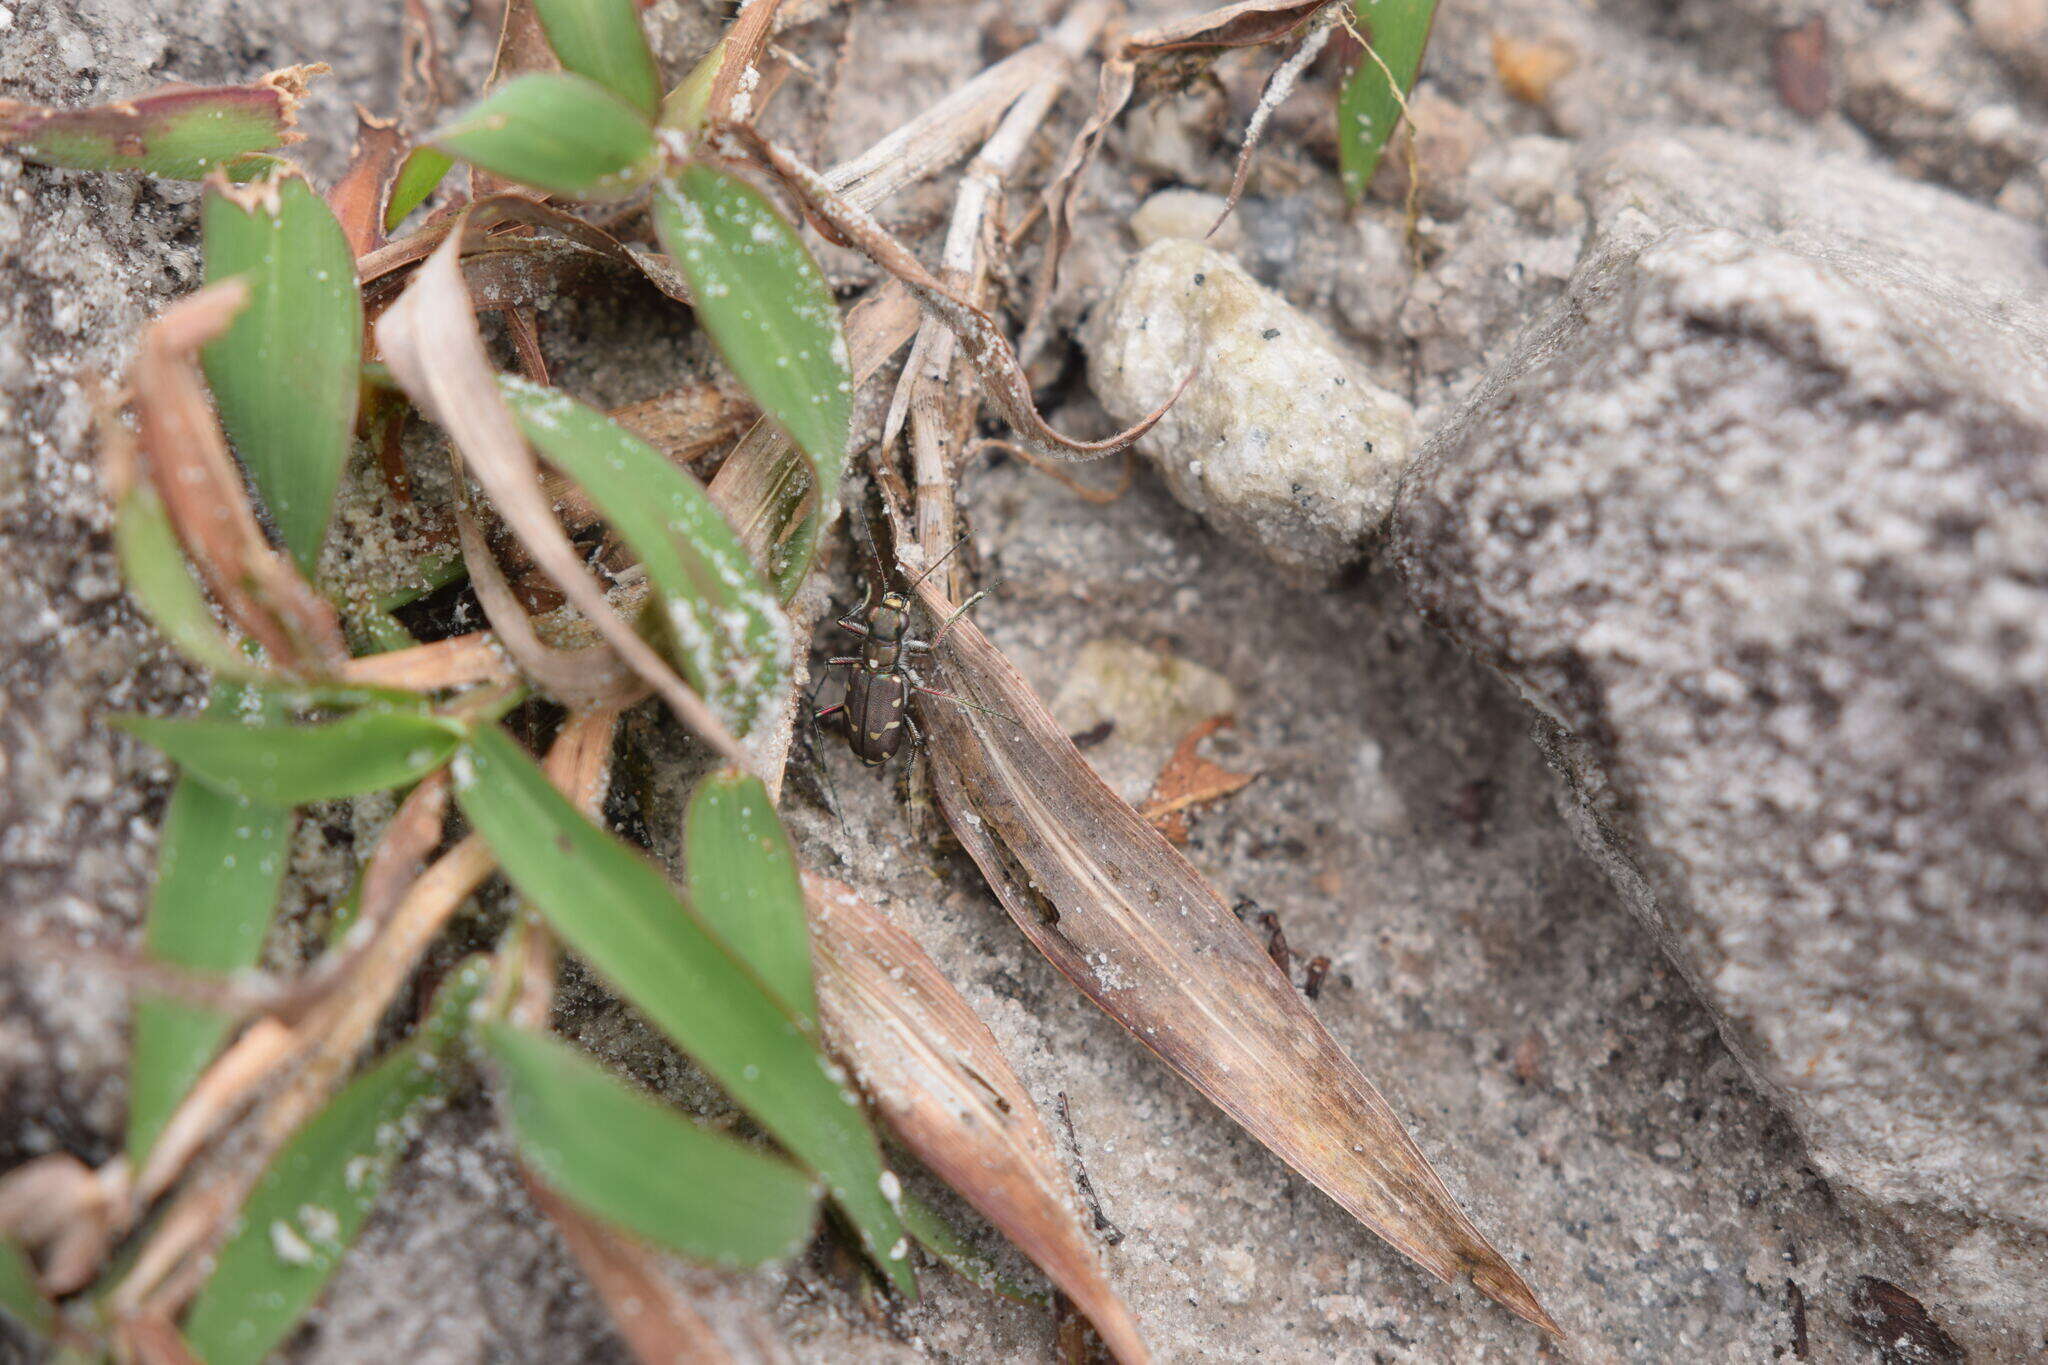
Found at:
(933, 1070)
(203, 495)
(1129, 920)
(431, 339)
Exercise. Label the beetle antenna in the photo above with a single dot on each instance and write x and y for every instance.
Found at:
(969, 705)
(933, 567)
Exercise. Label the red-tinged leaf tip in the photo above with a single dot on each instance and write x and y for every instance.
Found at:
(179, 134)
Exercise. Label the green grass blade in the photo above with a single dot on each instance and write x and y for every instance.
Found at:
(289, 765)
(178, 134)
(745, 882)
(285, 374)
(161, 582)
(20, 1299)
(719, 622)
(311, 1203)
(602, 39)
(936, 1235)
(1368, 110)
(557, 132)
(631, 1161)
(766, 304)
(618, 913)
(423, 169)
(218, 870)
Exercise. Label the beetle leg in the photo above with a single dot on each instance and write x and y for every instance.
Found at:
(852, 626)
(958, 612)
(834, 709)
(846, 660)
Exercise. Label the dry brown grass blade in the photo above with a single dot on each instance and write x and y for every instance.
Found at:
(358, 198)
(1130, 921)
(981, 339)
(202, 491)
(459, 661)
(658, 1323)
(431, 340)
(934, 1071)
(739, 72)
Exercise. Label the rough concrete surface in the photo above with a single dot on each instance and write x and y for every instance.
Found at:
(1759, 519)
(1559, 1069)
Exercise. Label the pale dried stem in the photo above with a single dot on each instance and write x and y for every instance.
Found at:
(459, 661)
(943, 405)
(220, 1090)
(172, 1265)
(1279, 86)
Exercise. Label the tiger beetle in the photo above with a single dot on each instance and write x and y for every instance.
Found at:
(879, 683)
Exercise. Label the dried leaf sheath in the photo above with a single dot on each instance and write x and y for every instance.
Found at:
(1132, 923)
(934, 1070)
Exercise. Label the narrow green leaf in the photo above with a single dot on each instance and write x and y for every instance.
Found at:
(20, 1299)
(289, 765)
(630, 1161)
(685, 107)
(423, 169)
(285, 374)
(717, 621)
(219, 866)
(618, 913)
(153, 565)
(935, 1234)
(558, 132)
(1369, 109)
(745, 882)
(766, 304)
(311, 1203)
(602, 39)
(179, 134)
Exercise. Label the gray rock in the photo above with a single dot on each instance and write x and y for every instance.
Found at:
(1191, 215)
(1757, 519)
(2017, 30)
(1281, 439)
